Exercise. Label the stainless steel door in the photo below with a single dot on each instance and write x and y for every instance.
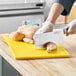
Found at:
(11, 23)
(11, 20)
(11, 1)
(12, 15)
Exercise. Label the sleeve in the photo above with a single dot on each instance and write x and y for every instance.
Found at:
(67, 5)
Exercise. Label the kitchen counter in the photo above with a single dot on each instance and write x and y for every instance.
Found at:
(44, 67)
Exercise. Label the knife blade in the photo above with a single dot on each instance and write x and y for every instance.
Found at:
(55, 37)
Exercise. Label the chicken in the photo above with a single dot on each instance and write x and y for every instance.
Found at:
(25, 33)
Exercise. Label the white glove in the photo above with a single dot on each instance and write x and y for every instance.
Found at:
(72, 27)
(46, 27)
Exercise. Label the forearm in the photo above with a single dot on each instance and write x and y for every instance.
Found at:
(55, 11)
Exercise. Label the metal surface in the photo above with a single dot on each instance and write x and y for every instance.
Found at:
(12, 15)
(8, 70)
(55, 37)
(34, 5)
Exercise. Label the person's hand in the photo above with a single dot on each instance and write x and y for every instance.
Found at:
(46, 27)
(72, 27)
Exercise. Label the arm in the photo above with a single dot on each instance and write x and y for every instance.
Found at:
(59, 7)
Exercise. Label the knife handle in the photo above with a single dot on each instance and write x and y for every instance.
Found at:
(65, 30)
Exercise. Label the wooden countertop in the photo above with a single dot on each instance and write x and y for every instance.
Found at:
(44, 67)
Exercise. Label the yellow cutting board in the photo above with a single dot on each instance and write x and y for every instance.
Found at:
(23, 50)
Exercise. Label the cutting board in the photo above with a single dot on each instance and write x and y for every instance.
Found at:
(23, 50)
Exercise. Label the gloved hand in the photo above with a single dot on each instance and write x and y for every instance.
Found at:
(46, 27)
(72, 27)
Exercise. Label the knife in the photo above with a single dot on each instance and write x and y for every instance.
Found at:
(56, 37)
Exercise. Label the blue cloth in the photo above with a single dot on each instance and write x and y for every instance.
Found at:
(67, 5)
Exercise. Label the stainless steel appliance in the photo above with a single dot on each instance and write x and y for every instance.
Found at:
(12, 15)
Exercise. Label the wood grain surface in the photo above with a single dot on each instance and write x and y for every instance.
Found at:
(44, 67)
